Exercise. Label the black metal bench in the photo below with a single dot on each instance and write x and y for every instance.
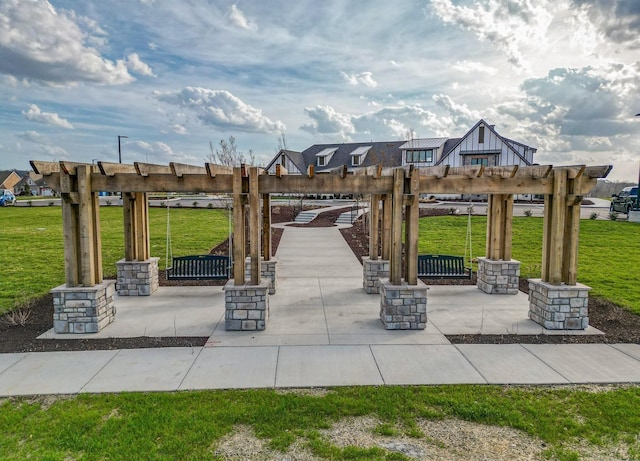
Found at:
(442, 267)
(199, 267)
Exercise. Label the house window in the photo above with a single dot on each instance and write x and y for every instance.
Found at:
(356, 160)
(321, 161)
(481, 135)
(283, 161)
(480, 161)
(419, 156)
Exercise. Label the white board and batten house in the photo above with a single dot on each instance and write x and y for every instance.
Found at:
(481, 145)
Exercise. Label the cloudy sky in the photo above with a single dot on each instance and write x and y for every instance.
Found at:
(559, 75)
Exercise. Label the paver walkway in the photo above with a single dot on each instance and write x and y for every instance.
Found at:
(323, 331)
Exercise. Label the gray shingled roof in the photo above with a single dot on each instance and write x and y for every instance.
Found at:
(385, 153)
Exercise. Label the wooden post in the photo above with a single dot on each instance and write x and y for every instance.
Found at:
(555, 228)
(499, 226)
(238, 228)
(507, 228)
(374, 226)
(411, 229)
(387, 207)
(255, 225)
(129, 224)
(395, 264)
(141, 210)
(266, 227)
(68, 186)
(572, 233)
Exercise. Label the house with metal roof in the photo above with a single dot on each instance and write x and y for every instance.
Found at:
(481, 145)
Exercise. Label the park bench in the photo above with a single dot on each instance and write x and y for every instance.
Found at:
(442, 267)
(199, 267)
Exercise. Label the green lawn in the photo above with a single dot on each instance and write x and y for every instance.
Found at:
(32, 259)
(189, 425)
(608, 257)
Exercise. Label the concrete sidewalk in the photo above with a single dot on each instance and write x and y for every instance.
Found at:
(323, 330)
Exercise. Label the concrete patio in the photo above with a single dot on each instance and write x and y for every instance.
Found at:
(323, 330)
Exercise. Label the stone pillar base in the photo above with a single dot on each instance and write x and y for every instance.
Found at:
(137, 278)
(267, 272)
(559, 307)
(403, 307)
(372, 272)
(498, 277)
(246, 306)
(633, 216)
(83, 309)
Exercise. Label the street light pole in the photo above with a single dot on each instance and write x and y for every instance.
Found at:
(119, 148)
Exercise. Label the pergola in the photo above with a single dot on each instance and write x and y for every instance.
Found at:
(398, 189)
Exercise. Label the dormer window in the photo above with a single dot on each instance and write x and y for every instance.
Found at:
(324, 156)
(419, 156)
(358, 155)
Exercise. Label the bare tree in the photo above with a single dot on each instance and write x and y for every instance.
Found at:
(228, 154)
(282, 142)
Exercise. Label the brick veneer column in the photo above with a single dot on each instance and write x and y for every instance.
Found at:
(403, 307)
(83, 309)
(246, 306)
(267, 272)
(137, 278)
(498, 277)
(372, 272)
(559, 307)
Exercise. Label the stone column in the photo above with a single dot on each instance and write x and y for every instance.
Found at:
(267, 272)
(137, 278)
(246, 306)
(403, 307)
(559, 307)
(498, 277)
(372, 272)
(83, 309)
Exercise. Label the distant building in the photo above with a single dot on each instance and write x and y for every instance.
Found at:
(8, 179)
(481, 145)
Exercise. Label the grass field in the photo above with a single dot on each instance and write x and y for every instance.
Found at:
(189, 425)
(608, 256)
(32, 259)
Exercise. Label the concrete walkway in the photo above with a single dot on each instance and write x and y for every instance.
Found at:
(323, 330)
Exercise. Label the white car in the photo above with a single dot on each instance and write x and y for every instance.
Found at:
(7, 197)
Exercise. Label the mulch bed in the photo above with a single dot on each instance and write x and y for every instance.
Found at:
(618, 324)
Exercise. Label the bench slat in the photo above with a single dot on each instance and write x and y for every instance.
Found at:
(199, 267)
(442, 267)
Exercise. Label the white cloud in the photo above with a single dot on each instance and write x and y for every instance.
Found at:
(325, 120)
(179, 129)
(222, 109)
(47, 118)
(44, 146)
(38, 43)
(153, 46)
(509, 26)
(158, 152)
(364, 78)
(468, 67)
(135, 64)
(238, 19)
(383, 123)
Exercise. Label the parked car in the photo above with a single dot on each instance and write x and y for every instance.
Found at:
(625, 201)
(7, 197)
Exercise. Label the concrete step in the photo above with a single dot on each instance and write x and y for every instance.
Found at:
(306, 216)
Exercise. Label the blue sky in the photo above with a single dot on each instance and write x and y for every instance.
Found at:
(559, 75)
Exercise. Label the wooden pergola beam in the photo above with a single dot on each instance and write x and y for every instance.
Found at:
(146, 169)
(111, 169)
(214, 170)
(180, 169)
